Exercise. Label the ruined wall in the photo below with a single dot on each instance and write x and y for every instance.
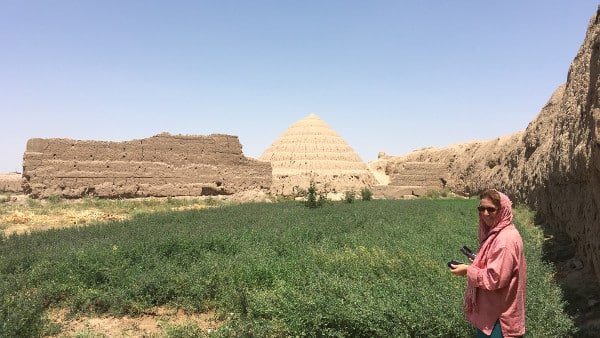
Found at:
(162, 165)
(10, 182)
(408, 176)
(553, 166)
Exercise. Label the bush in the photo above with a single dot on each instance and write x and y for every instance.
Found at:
(314, 198)
(55, 199)
(350, 196)
(33, 203)
(366, 194)
(299, 192)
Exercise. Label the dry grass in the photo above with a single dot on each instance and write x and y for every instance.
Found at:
(20, 214)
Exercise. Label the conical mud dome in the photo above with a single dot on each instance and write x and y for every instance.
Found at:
(311, 150)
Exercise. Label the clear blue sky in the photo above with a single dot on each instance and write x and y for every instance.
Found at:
(388, 76)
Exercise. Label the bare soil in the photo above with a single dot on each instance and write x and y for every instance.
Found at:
(152, 323)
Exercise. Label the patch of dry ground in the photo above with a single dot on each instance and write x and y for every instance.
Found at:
(20, 215)
(153, 323)
(22, 221)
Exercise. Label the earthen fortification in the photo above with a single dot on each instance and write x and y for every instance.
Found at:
(310, 151)
(553, 166)
(162, 165)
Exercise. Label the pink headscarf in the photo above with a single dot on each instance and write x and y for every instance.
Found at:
(503, 219)
(487, 234)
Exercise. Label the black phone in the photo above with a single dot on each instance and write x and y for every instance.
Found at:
(467, 252)
(454, 262)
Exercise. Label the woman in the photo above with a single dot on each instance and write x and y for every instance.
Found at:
(495, 296)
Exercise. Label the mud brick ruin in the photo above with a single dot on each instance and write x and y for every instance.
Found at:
(311, 151)
(162, 165)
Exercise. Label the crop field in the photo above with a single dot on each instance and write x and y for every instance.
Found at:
(363, 269)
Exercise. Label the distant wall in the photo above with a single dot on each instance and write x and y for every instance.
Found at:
(162, 165)
(10, 182)
(406, 176)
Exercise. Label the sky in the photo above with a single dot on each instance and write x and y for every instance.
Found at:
(390, 76)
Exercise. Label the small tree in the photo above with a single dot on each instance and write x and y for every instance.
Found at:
(311, 196)
(366, 194)
(314, 198)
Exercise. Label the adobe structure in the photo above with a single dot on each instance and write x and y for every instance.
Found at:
(310, 150)
(407, 177)
(162, 165)
(553, 166)
(10, 182)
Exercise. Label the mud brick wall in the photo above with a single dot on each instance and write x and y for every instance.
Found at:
(10, 182)
(162, 165)
(416, 178)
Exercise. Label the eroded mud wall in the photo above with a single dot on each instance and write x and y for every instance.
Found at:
(162, 165)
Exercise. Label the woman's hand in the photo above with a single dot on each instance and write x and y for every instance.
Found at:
(459, 269)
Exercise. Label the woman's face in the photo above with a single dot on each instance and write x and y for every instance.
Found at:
(487, 211)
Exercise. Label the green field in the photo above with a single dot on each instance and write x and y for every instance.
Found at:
(363, 269)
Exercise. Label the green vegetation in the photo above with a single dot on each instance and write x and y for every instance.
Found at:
(4, 198)
(373, 269)
(366, 194)
(350, 196)
(314, 197)
(184, 331)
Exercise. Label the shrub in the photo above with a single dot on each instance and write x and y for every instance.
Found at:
(314, 198)
(55, 199)
(299, 192)
(366, 194)
(350, 196)
(4, 199)
(33, 203)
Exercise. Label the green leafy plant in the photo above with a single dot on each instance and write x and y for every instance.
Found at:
(314, 197)
(366, 194)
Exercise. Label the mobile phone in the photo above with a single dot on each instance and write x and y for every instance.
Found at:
(467, 252)
(454, 262)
